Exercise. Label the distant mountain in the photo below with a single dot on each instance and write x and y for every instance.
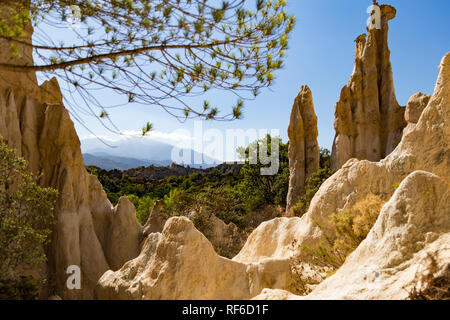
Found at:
(135, 152)
(109, 162)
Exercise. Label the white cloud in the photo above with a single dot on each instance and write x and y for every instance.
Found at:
(92, 136)
(172, 138)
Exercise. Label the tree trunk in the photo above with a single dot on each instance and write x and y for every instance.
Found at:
(12, 52)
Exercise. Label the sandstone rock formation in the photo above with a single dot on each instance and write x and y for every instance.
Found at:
(407, 232)
(226, 239)
(369, 121)
(156, 219)
(304, 152)
(181, 263)
(415, 220)
(411, 233)
(41, 131)
(124, 234)
(414, 109)
(34, 121)
(272, 239)
(413, 224)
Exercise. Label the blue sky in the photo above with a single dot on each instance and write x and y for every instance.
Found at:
(321, 55)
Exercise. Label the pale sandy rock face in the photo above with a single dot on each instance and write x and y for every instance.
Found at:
(413, 222)
(181, 263)
(412, 227)
(42, 132)
(304, 152)
(127, 286)
(424, 148)
(272, 239)
(34, 121)
(50, 92)
(276, 294)
(416, 105)
(124, 234)
(368, 120)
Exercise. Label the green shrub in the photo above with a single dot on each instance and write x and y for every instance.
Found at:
(134, 199)
(144, 208)
(26, 217)
(202, 222)
(113, 198)
(179, 203)
(280, 187)
(224, 203)
(300, 208)
(256, 190)
(350, 228)
(354, 225)
(22, 288)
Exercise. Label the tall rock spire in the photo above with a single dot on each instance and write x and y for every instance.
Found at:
(368, 119)
(304, 150)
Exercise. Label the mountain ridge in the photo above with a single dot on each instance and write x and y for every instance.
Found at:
(135, 152)
(109, 162)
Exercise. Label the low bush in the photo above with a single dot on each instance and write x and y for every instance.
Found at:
(144, 208)
(21, 288)
(348, 229)
(26, 218)
(431, 285)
